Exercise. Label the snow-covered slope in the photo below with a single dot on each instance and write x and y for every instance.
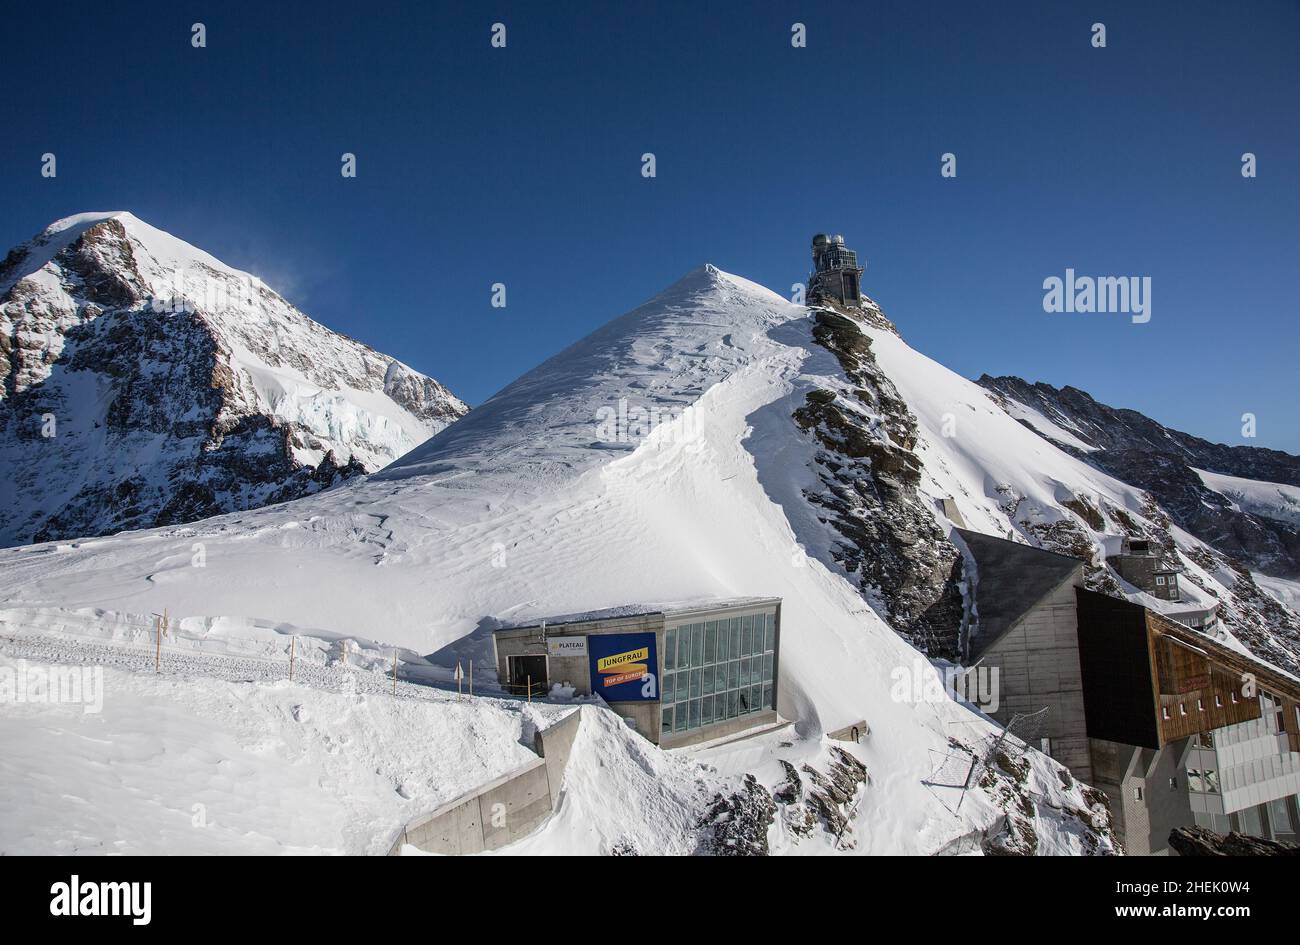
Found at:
(199, 765)
(1260, 533)
(1008, 480)
(658, 459)
(1275, 500)
(144, 382)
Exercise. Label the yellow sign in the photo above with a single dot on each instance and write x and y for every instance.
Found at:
(622, 662)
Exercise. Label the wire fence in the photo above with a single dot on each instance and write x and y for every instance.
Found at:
(965, 767)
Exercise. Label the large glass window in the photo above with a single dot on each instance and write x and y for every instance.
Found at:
(719, 670)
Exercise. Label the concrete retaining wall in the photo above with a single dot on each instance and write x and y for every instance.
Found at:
(851, 733)
(504, 810)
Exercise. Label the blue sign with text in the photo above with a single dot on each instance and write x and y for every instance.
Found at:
(624, 666)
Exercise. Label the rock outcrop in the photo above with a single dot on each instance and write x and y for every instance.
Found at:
(891, 544)
(1198, 841)
(144, 383)
(1146, 454)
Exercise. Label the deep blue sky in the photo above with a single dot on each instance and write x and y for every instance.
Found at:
(478, 165)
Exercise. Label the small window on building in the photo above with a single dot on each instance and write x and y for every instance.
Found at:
(1173, 784)
(1164, 712)
(1200, 705)
(1182, 708)
(1234, 695)
(1137, 794)
(1160, 579)
(1194, 782)
(1218, 700)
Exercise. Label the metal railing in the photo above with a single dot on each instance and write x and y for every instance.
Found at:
(527, 689)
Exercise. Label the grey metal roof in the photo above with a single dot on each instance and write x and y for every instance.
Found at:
(1010, 578)
(700, 605)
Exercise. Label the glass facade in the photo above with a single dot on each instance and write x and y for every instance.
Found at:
(717, 670)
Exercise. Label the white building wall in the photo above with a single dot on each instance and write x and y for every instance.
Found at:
(1254, 763)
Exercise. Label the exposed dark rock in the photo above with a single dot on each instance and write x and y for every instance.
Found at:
(737, 824)
(830, 796)
(1270, 545)
(791, 790)
(1111, 428)
(1146, 454)
(1011, 836)
(1163, 463)
(1198, 841)
(891, 544)
(120, 411)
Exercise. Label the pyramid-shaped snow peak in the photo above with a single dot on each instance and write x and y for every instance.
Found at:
(145, 383)
(608, 392)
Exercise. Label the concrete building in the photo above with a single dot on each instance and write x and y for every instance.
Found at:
(836, 274)
(1192, 732)
(1026, 625)
(678, 673)
(1174, 727)
(1204, 619)
(1141, 563)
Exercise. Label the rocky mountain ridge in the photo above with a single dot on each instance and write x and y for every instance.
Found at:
(143, 383)
(1165, 462)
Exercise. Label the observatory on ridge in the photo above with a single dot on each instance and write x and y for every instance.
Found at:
(836, 274)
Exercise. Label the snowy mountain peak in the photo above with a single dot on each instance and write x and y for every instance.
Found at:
(143, 381)
(613, 388)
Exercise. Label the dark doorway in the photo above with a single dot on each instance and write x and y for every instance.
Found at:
(525, 670)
